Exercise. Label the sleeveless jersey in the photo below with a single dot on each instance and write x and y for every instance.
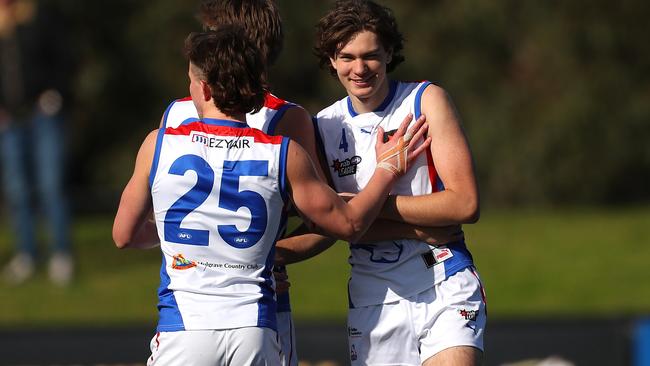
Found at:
(216, 187)
(390, 270)
(266, 119)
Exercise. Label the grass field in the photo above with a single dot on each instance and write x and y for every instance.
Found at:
(569, 263)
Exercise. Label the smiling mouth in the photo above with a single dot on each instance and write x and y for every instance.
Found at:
(366, 80)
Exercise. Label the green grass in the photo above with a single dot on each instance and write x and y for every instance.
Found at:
(548, 263)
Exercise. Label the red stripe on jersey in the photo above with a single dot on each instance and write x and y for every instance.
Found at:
(433, 175)
(259, 136)
(184, 99)
(273, 102)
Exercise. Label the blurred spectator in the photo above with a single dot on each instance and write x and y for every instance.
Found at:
(33, 79)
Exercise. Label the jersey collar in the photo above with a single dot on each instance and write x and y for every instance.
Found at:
(224, 122)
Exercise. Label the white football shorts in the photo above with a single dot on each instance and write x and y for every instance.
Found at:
(409, 331)
(241, 346)
(287, 335)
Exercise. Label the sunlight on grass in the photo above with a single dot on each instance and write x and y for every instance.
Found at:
(569, 262)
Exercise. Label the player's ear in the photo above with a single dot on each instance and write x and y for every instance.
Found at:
(207, 91)
(333, 62)
(389, 56)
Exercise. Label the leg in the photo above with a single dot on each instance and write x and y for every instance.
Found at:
(49, 162)
(455, 335)
(382, 335)
(456, 356)
(16, 187)
(49, 176)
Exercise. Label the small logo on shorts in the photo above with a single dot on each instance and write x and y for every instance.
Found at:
(181, 263)
(468, 314)
(353, 353)
(354, 332)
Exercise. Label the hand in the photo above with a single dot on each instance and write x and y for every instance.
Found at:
(442, 235)
(282, 283)
(396, 154)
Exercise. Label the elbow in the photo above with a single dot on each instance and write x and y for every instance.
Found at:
(121, 240)
(471, 212)
(353, 231)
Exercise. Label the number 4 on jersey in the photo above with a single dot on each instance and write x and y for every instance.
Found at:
(343, 145)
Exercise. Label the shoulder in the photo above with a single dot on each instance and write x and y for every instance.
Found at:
(435, 99)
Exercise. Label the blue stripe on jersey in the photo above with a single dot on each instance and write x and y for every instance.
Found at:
(156, 156)
(389, 98)
(417, 110)
(224, 122)
(462, 258)
(277, 117)
(170, 319)
(418, 100)
(282, 174)
(267, 306)
(284, 304)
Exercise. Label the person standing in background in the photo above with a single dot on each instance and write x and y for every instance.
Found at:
(34, 73)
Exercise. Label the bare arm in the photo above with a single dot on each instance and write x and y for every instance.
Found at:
(459, 202)
(132, 227)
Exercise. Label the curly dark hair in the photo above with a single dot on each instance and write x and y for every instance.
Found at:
(348, 18)
(260, 20)
(232, 66)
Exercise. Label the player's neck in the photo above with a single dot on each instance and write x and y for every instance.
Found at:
(364, 104)
(216, 113)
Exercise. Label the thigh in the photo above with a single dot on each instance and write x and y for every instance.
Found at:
(457, 328)
(382, 335)
(461, 355)
(253, 346)
(191, 347)
(287, 335)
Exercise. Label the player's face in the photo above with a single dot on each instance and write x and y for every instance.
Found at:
(361, 69)
(196, 88)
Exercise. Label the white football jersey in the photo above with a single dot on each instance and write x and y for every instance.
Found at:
(391, 270)
(217, 186)
(182, 111)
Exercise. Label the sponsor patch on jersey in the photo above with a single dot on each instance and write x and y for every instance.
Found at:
(181, 263)
(353, 353)
(347, 166)
(221, 142)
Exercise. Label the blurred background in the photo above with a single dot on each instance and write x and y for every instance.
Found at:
(554, 97)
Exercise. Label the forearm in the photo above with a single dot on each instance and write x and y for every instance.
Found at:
(301, 247)
(146, 237)
(382, 230)
(437, 209)
(364, 208)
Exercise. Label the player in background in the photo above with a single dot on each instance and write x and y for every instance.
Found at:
(217, 291)
(410, 303)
